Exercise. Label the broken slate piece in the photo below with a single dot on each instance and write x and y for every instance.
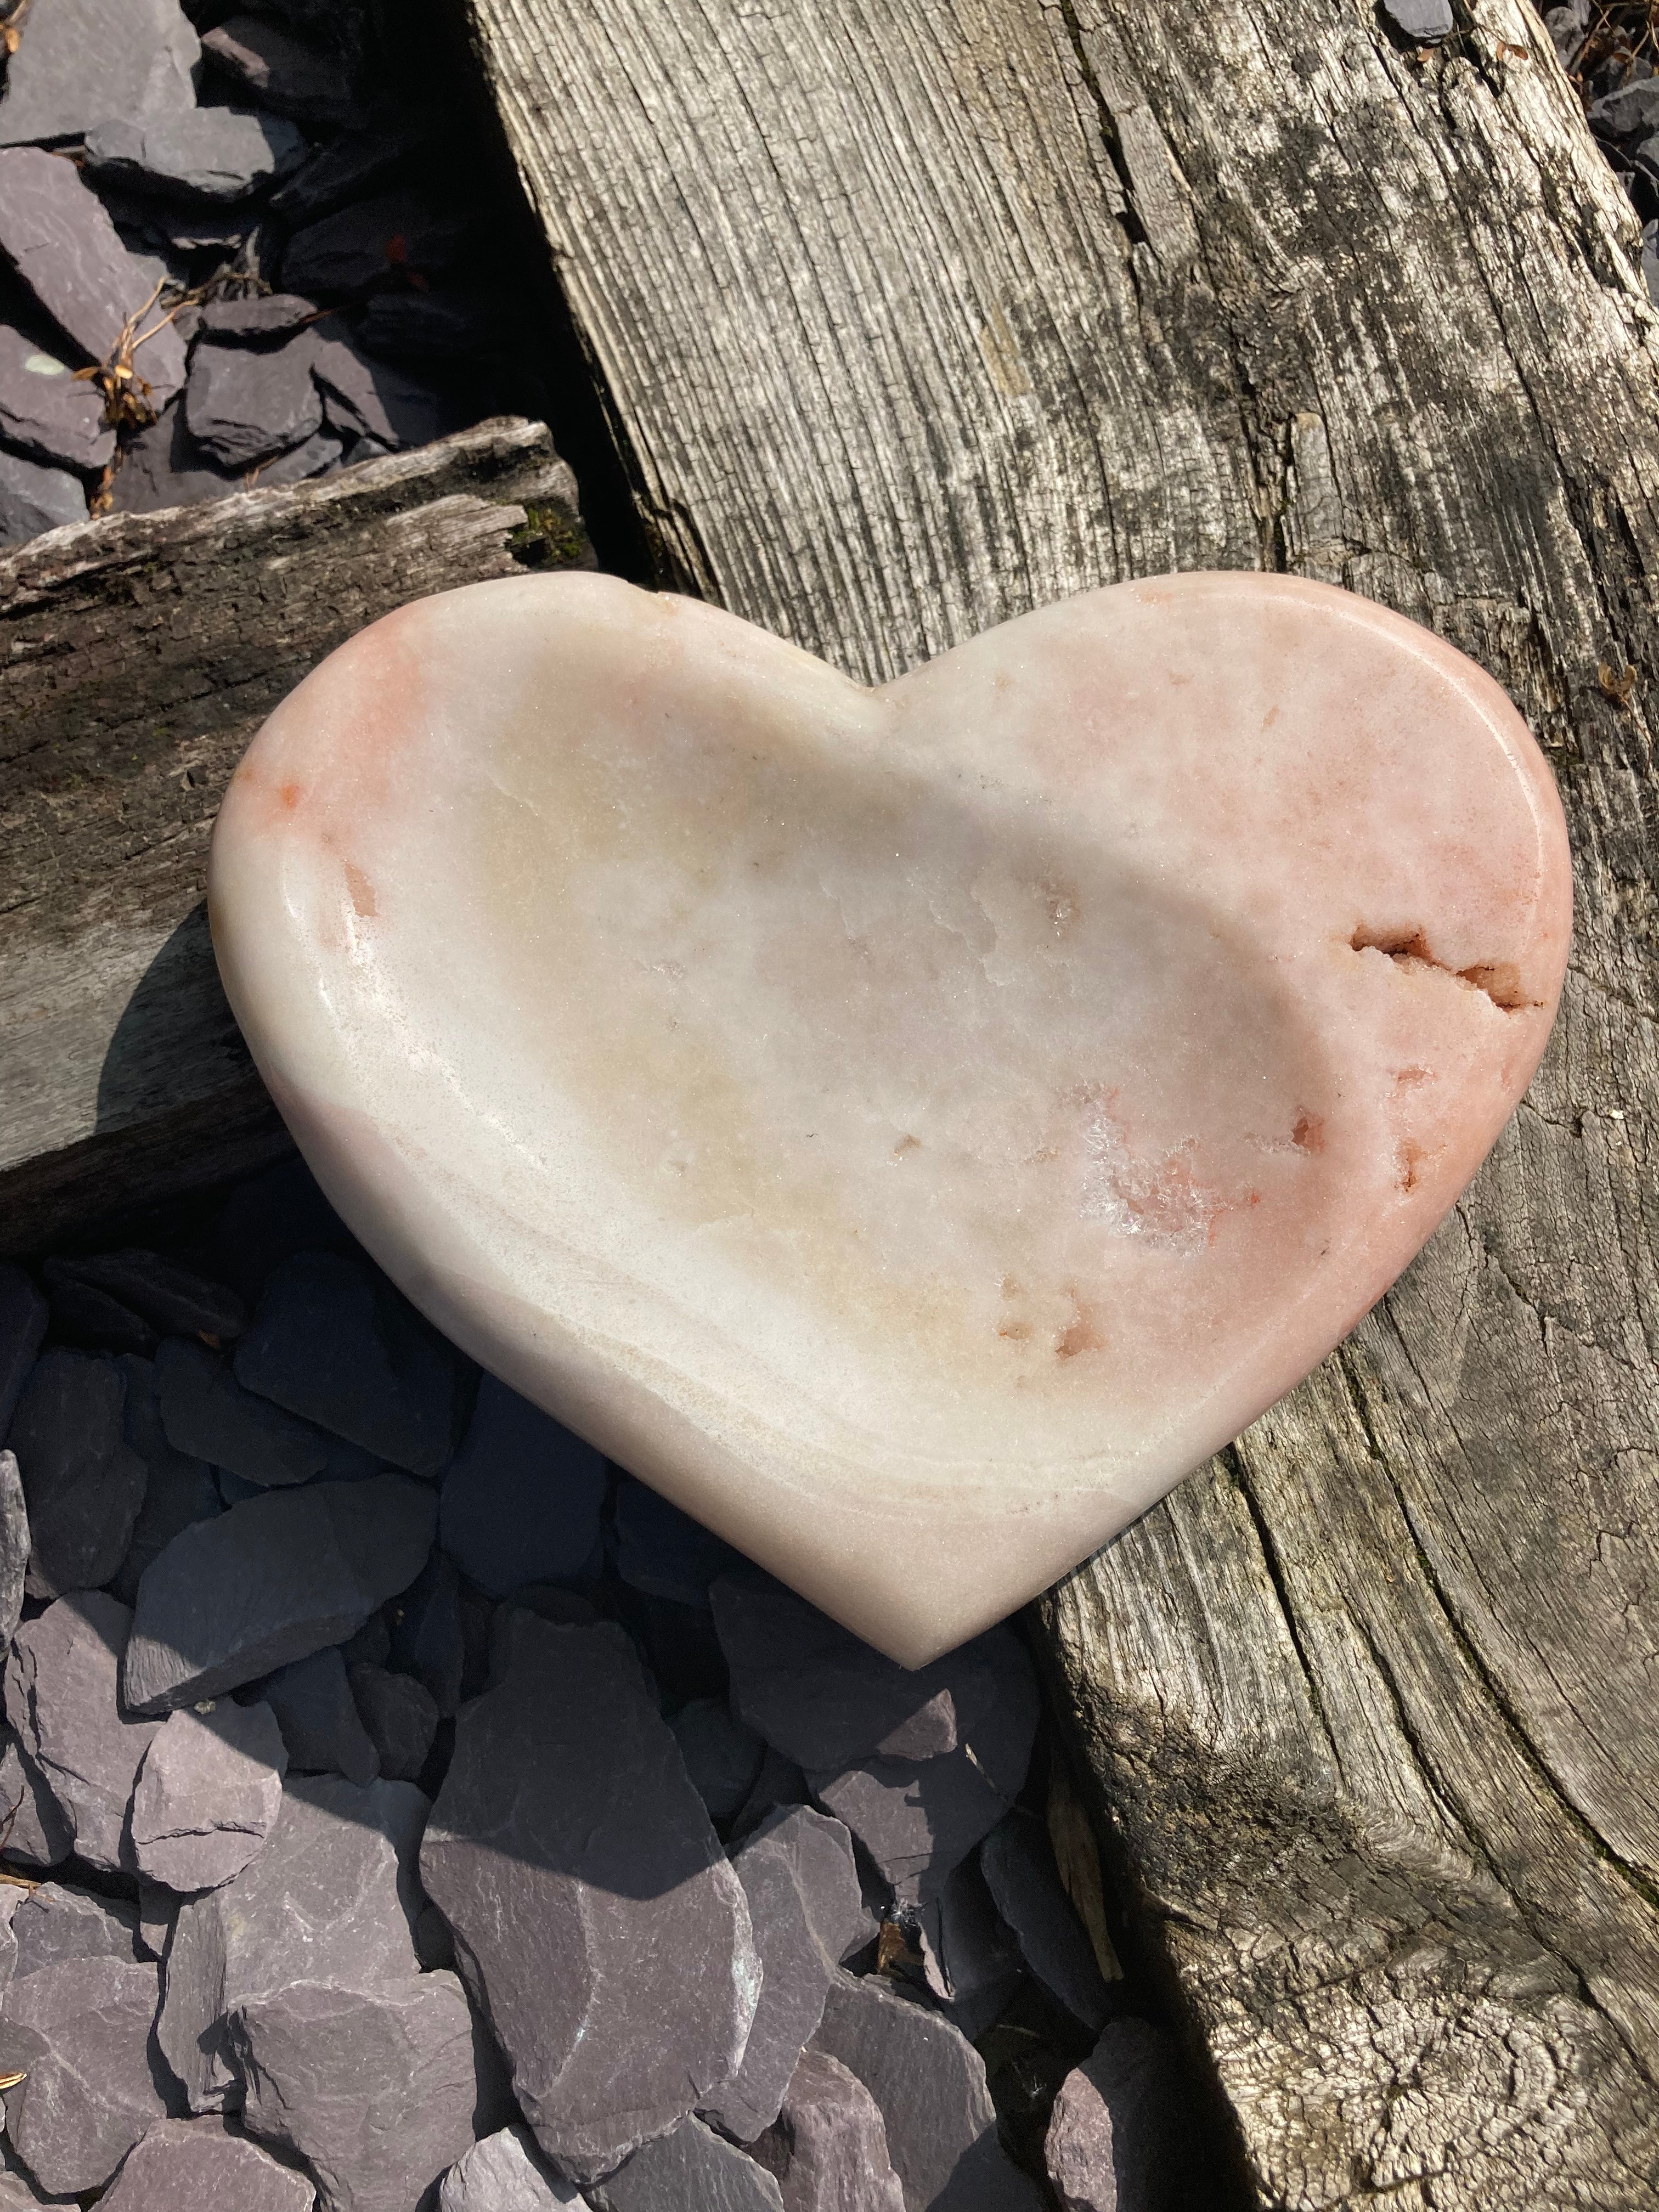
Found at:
(338, 1345)
(400, 1717)
(1017, 1862)
(332, 1897)
(78, 61)
(19, 2191)
(13, 1545)
(825, 1699)
(405, 233)
(503, 2174)
(56, 234)
(171, 1298)
(164, 466)
(319, 1718)
(33, 499)
(1632, 111)
(1424, 22)
(261, 318)
(664, 1552)
(722, 1757)
(33, 1830)
(779, 1783)
(807, 1914)
(208, 1792)
(433, 327)
(281, 73)
(828, 2147)
(370, 398)
(971, 1956)
(215, 154)
(203, 2166)
(90, 1316)
(271, 1581)
(349, 168)
(46, 413)
(23, 1327)
(206, 1413)
(689, 2165)
(55, 1923)
(61, 1677)
(321, 451)
(522, 1498)
(375, 2088)
(179, 1489)
(244, 404)
(156, 1908)
(79, 2032)
(595, 1917)
(1115, 2141)
(425, 1639)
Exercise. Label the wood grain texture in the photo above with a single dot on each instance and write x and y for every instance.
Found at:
(138, 654)
(912, 318)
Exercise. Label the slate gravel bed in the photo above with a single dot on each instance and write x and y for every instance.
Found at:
(238, 248)
(402, 1807)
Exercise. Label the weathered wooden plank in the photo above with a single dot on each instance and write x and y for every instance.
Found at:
(913, 317)
(138, 654)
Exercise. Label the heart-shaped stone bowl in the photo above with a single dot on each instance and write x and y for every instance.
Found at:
(910, 1128)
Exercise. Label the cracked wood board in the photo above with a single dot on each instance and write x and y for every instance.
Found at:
(910, 319)
(138, 654)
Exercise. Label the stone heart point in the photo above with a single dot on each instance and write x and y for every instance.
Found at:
(910, 1128)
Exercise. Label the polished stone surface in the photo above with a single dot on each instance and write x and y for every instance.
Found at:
(908, 1128)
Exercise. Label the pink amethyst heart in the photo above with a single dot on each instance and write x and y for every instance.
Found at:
(910, 1128)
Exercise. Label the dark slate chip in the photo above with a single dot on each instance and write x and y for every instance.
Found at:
(55, 232)
(34, 499)
(436, 326)
(973, 1957)
(78, 61)
(321, 1726)
(270, 1218)
(1116, 2140)
(424, 1636)
(206, 1412)
(281, 73)
(47, 413)
(664, 1552)
(270, 1581)
(204, 2166)
(266, 317)
(399, 1717)
(522, 1498)
(349, 166)
(171, 1298)
(83, 1483)
(1017, 1862)
(689, 2165)
(1426, 22)
(408, 233)
(828, 2148)
(164, 466)
(779, 1783)
(245, 403)
(219, 154)
(87, 1315)
(23, 1330)
(80, 2032)
(340, 1346)
(722, 1757)
(371, 399)
(929, 2083)
(1631, 112)
(62, 1701)
(595, 1916)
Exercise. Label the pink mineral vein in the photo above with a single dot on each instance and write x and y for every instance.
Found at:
(911, 1128)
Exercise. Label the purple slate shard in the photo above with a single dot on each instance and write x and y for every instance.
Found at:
(375, 2087)
(46, 413)
(595, 1917)
(56, 234)
(79, 2032)
(780, 1782)
(400, 1717)
(33, 1830)
(204, 2166)
(23, 1327)
(34, 499)
(206, 1413)
(171, 1298)
(1115, 2141)
(319, 1720)
(689, 2165)
(824, 1699)
(62, 1677)
(281, 73)
(13, 1545)
(336, 1343)
(207, 1794)
(219, 154)
(401, 233)
(433, 326)
(522, 1498)
(265, 318)
(165, 467)
(179, 1488)
(271, 1581)
(332, 1897)
(372, 399)
(828, 2150)
(349, 168)
(1017, 1862)
(56, 1923)
(972, 1957)
(1632, 111)
(78, 61)
(503, 2174)
(18, 2190)
(722, 1757)
(1426, 21)
(807, 1914)
(244, 404)
(321, 451)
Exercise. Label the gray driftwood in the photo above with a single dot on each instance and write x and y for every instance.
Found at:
(912, 318)
(138, 654)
